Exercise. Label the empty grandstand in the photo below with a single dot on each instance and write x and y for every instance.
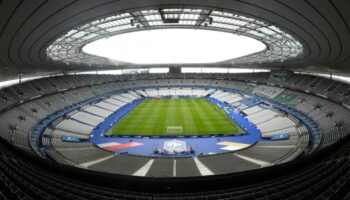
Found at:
(149, 99)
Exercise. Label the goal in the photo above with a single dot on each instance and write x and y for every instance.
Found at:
(174, 129)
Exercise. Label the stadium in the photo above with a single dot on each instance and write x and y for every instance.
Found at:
(174, 100)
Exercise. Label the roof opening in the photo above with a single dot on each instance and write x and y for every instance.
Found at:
(174, 46)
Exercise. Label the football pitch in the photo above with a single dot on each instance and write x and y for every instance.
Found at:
(193, 116)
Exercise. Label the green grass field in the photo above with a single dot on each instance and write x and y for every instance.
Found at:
(195, 116)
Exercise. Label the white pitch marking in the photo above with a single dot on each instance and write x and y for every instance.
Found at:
(230, 148)
(275, 146)
(174, 168)
(259, 162)
(107, 144)
(202, 168)
(87, 164)
(143, 170)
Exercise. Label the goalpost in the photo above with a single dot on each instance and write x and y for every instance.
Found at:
(174, 129)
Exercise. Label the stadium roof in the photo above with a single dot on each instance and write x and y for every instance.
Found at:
(280, 45)
(47, 36)
(173, 46)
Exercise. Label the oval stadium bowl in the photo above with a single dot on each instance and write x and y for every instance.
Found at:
(174, 99)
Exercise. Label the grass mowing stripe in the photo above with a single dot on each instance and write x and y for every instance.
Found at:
(219, 116)
(178, 113)
(224, 121)
(198, 121)
(130, 120)
(171, 114)
(148, 124)
(190, 126)
(160, 119)
(196, 116)
(138, 119)
(208, 114)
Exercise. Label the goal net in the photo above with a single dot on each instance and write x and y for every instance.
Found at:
(174, 129)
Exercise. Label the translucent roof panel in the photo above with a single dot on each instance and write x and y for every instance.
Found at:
(174, 46)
